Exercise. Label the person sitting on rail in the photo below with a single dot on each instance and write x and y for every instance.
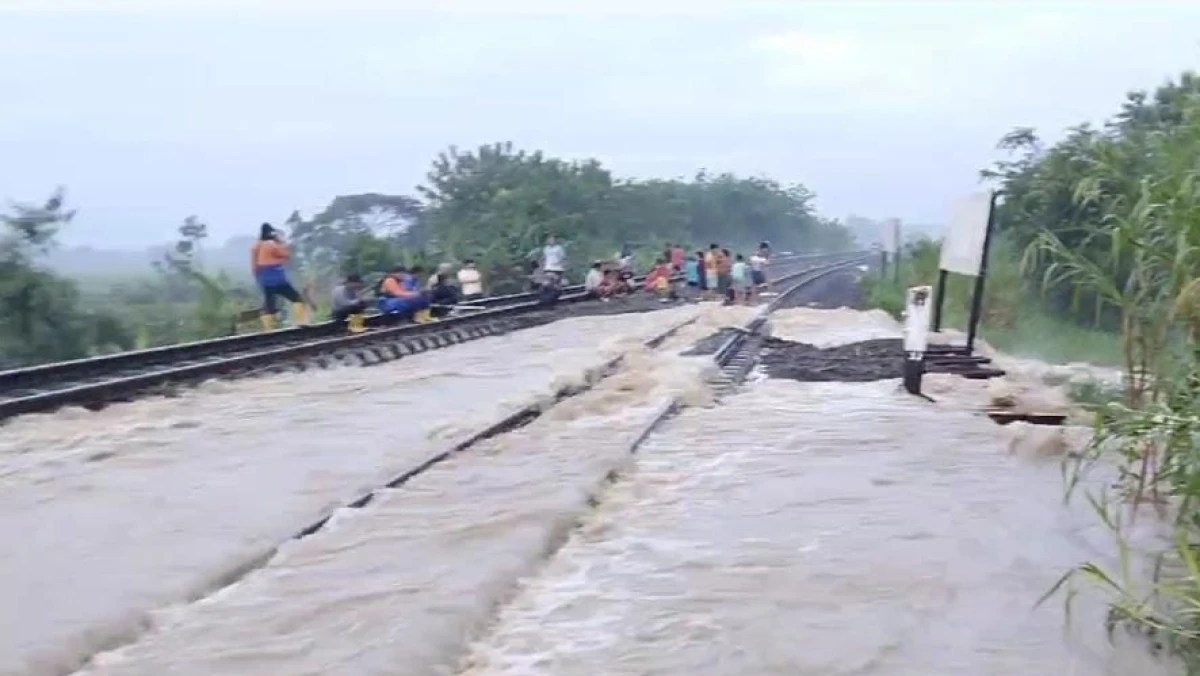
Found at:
(535, 277)
(414, 281)
(550, 287)
(348, 303)
(399, 296)
(594, 280)
(267, 258)
(658, 280)
(442, 269)
(470, 281)
(443, 296)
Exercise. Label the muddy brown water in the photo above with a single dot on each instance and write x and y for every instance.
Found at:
(152, 503)
(796, 528)
(824, 528)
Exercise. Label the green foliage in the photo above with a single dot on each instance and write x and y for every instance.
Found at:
(495, 204)
(1109, 220)
(40, 313)
(1014, 315)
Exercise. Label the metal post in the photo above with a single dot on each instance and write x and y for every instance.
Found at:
(883, 257)
(977, 297)
(939, 299)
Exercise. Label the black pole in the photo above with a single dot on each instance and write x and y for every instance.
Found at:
(939, 299)
(883, 269)
(977, 297)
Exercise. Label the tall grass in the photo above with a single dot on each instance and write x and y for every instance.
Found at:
(1138, 258)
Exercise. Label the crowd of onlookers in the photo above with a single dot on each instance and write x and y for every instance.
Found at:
(406, 292)
(715, 274)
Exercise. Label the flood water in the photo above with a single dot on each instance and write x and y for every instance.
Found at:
(824, 529)
(793, 528)
(400, 586)
(158, 501)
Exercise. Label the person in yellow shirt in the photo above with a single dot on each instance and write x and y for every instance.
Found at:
(711, 261)
(267, 259)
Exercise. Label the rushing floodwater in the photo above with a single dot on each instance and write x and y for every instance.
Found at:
(400, 586)
(141, 505)
(824, 529)
(799, 528)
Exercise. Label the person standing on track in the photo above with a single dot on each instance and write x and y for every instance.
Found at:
(691, 271)
(758, 273)
(267, 259)
(554, 260)
(724, 275)
(740, 278)
(470, 281)
(676, 257)
(625, 263)
(710, 271)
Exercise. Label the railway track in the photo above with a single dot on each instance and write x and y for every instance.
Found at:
(97, 382)
(734, 358)
(790, 284)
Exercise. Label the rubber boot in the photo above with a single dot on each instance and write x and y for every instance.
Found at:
(355, 323)
(299, 314)
(268, 321)
(422, 316)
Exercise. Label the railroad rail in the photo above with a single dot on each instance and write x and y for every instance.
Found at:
(97, 382)
(521, 418)
(731, 358)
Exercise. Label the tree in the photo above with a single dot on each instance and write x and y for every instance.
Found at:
(40, 314)
(497, 204)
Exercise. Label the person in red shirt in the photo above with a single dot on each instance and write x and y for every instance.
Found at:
(677, 256)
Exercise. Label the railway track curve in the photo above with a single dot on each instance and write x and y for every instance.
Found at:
(97, 382)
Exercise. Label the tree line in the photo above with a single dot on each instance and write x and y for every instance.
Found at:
(494, 204)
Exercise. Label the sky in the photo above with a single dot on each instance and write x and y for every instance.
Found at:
(239, 111)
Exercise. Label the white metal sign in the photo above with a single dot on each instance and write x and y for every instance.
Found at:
(962, 248)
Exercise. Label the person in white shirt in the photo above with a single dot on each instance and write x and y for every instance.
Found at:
(758, 269)
(554, 257)
(470, 280)
(594, 278)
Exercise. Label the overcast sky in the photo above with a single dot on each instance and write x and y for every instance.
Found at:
(246, 109)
